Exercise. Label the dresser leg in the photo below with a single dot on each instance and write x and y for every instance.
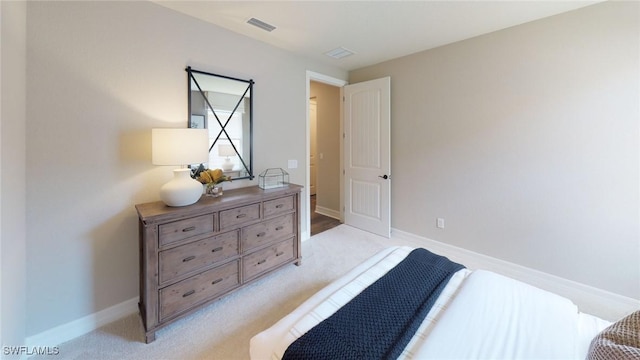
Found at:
(298, 262)
(150, 337)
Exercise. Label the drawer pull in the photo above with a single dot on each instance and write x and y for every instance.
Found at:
(190, 228)
(279, 206)
(188, 258)
(279, 228)
(240, 216)
(262, 262)
(261, 234)
(216, 281)
(217, 249)
(191, 292)
(280, 253)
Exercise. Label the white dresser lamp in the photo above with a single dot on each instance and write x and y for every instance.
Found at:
(226, 150)
(180, 147)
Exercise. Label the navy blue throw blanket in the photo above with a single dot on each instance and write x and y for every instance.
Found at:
(380, 321)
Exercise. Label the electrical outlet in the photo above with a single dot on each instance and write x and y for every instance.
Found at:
(440, 223)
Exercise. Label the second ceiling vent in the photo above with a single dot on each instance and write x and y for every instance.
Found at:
(339, 53)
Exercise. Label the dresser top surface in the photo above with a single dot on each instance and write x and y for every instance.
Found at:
(233, 197)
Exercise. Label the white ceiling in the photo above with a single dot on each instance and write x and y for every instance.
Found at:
(375, 30)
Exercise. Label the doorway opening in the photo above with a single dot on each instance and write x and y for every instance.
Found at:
(324, 152)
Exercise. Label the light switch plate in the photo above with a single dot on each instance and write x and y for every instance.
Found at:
(293, 164)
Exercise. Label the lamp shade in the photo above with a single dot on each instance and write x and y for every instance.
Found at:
(226, 150)
(179, 146)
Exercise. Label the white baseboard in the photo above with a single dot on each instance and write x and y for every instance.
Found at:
(591, 300)
(328, 212)
(84, 325)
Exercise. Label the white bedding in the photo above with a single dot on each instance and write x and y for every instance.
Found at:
(479, 315)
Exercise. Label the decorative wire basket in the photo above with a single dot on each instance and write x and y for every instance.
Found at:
(273, 178)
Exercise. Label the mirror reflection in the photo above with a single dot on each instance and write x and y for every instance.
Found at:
(223, 105)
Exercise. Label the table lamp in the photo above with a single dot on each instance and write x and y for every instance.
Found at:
(180, 147)
(226, 150)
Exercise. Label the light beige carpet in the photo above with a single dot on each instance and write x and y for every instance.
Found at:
(222, 330)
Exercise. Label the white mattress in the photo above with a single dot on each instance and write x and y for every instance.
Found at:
(480, 314)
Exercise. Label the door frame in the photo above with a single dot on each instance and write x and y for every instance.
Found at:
(329, 80)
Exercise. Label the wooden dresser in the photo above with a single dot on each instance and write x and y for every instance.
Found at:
(193, 255)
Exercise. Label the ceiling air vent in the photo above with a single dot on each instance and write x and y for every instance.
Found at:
(261, 24)
(339, 53)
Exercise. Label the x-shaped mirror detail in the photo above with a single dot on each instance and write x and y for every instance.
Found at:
(223, 105)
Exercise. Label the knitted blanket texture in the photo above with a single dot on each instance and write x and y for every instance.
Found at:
(380, 321)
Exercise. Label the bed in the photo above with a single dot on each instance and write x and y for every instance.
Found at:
(477, 314)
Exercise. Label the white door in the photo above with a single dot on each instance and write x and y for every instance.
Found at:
(313, 171)
(367, 156)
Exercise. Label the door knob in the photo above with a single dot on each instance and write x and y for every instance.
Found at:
(384, 176)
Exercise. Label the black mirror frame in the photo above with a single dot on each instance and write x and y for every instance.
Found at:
(249, 89)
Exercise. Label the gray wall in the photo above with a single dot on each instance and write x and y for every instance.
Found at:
(100, 76)
(13, 51)
(526, 142)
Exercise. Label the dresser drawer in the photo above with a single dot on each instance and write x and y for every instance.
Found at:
(183, 229)
(190, 257)
(233, 217)
(183, 295)
(267, 232)
(266, 259)
(277, 206)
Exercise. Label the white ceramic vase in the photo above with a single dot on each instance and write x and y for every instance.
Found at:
(182, 190)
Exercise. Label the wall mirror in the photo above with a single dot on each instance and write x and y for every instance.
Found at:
(224, 106)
